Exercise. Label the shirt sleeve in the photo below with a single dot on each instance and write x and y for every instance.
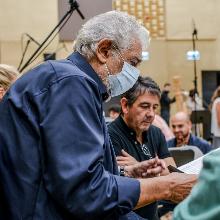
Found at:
(74, 147)
(166, 99)
(206, 147)
(204, 200)
(115, 141)
(163, 151)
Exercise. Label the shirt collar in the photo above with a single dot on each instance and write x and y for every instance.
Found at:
(190, 142)
(83, 64)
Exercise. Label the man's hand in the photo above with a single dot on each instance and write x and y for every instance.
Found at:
(126, 159)
(147, 168)
(181, 185)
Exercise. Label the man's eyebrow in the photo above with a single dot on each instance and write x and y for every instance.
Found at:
(148, 103)
(142, 103)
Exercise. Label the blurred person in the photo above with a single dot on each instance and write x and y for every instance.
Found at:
(215, 120)
(114, 111)
(181, 126)
(57, 161)
(8, 74)
(193, 102)
(203, 202)
(133, 136)
(161, 123)
(165, 102)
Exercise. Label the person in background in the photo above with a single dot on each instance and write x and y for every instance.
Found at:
(194, 102)
(165, 102)
(181, 126)
(133, 136)
(114, 111)
(215, 121)
(160, 123)
(56, 159)
(203, 203)
(8, 74)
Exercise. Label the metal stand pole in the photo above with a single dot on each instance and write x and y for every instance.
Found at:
(73, 6)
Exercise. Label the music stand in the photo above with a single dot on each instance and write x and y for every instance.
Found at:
(203, 117)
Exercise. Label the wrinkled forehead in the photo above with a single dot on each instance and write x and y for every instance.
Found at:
(148, 97)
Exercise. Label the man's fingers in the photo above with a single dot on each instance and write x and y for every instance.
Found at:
(152, 172)
(121, 163)
(162, 164)
(155, 170)
(148, 163)
(121, 158)
(125, 154)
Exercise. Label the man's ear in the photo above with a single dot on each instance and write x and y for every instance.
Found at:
(103, 50)
(124, 105)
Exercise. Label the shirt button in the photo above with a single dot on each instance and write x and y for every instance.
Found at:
(131, 133)
(135, 142)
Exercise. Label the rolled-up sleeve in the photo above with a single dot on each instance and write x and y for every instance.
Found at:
(73, 148)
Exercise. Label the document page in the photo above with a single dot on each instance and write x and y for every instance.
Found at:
(195, 166)
(192, 167)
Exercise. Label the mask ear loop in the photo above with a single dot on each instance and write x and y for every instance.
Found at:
(106, 67)
(116, 48)
(107, 80)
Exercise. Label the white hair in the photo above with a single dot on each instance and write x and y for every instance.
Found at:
(119, 27)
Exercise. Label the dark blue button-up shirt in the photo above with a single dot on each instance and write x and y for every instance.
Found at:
(56, 160)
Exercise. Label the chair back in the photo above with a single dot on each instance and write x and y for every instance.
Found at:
(185, 154)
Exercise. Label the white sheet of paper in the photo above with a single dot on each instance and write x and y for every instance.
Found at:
(195, 166)
(192, 167)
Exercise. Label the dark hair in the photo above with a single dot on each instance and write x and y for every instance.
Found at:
(192, 93)
(115, 108)
(143, 84)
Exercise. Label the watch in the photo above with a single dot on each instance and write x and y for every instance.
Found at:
(121, 170)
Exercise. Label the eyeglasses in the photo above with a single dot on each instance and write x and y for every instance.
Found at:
(146, 150)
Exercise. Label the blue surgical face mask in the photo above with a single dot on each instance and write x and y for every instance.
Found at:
(123, 81)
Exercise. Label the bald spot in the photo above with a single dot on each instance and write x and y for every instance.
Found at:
(180, 116)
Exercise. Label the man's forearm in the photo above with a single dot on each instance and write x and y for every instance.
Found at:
(152, 189)
(174, 187)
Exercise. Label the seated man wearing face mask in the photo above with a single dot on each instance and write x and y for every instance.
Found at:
(133, 136)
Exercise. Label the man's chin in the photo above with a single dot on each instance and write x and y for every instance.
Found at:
(145, 127)
(179, 139)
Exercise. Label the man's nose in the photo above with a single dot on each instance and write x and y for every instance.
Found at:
(150, 112)
(175, 129)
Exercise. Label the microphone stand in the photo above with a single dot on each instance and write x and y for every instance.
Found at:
(194, 38)
(24, 52)
(73, 6)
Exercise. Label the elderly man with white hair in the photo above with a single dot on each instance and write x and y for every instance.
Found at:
(56, 158)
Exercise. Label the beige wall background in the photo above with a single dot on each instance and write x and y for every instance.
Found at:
(167, 56)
